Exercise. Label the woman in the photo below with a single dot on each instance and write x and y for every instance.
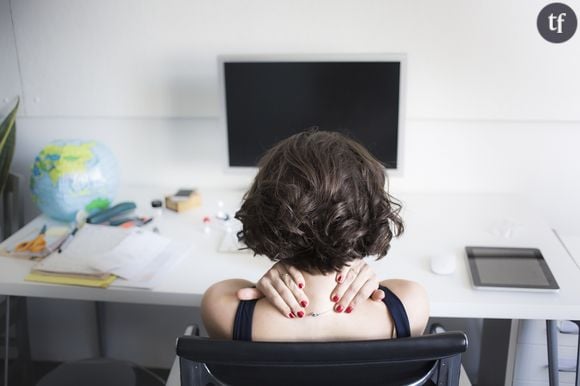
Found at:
(317, 206)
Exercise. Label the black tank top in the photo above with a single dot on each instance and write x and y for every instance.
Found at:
(245, 314)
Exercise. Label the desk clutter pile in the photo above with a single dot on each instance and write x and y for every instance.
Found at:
(95, 255)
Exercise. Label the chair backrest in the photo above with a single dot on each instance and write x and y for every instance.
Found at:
(407, 361)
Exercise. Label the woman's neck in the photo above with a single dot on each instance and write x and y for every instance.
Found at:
(318, 288)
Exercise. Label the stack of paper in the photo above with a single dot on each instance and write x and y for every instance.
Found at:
(71, 279)
(99, 253)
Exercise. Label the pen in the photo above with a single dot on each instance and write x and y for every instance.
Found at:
(68, 239)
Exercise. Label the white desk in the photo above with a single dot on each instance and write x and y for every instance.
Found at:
(435, 223)
(447, 223)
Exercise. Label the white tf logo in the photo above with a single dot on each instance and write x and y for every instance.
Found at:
(557, 22)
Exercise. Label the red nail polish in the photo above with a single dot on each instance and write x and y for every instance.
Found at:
(335, 298)
(339, 278)
(303, 303)
(291, 315)
(300, 314)
(339, 308)
(300, 285)
(348, 310)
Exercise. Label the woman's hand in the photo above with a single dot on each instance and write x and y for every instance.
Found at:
(356, 283)
(282, 285)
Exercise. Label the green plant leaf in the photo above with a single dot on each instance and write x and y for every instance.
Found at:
(7, 142)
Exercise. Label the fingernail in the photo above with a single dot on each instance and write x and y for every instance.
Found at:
(339, 278)
(348, 310)
(300, 285)
(335, 298)
(303, 303)
(339, 308)
(291, 315)
(300, 314)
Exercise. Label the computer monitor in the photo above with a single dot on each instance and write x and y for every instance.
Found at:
(266, 99)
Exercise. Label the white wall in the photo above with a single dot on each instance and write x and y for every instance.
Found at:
(467, 59)
(490, 105)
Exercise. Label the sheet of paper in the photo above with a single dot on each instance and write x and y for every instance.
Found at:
(133, 255)
(150, 277)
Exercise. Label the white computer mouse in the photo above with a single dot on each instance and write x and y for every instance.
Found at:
(443, 264)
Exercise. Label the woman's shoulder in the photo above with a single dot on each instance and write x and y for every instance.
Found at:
(219, 306)
(415, 300)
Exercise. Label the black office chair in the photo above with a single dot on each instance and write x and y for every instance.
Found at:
(425, 360)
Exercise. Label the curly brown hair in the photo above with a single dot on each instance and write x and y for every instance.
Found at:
(317, 203)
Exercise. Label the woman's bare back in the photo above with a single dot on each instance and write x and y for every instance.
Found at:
(370, 319)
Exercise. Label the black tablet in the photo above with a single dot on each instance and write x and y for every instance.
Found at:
(510, 268)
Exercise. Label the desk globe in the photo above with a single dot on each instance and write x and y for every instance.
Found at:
(73, 175)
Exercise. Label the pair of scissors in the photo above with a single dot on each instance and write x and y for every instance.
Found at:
(35, 245)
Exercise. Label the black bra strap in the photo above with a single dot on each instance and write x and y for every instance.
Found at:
(243, 320)
(397, 310)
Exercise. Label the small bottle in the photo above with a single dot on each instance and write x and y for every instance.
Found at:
(157, 206)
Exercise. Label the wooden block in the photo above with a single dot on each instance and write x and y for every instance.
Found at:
(181, 204)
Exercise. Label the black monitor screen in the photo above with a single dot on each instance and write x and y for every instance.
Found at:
(269, 101)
